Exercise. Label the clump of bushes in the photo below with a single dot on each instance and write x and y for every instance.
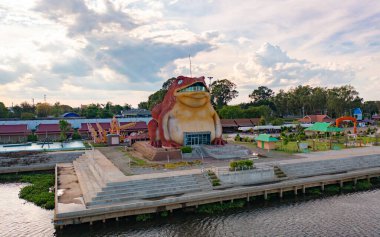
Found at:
(363, 185)
(314, 191)
(332, 189)
(212, 208)
(241, 165)
(186, 149)
(32, 138)
(76, 135)
(143, 217)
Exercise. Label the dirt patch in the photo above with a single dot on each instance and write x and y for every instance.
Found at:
(68, 182)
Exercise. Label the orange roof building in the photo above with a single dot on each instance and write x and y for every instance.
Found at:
(323, 118)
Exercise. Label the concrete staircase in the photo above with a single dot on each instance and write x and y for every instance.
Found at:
(150, 188)
(333, 166)
(279, 173)
(103, 184)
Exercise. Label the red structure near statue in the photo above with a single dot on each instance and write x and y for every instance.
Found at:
(185, 116)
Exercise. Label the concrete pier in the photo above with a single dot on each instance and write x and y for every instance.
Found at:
(105, 195)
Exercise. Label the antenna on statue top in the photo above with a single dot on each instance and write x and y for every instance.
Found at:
(191, 74)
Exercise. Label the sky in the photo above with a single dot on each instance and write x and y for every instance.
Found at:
(94, 51)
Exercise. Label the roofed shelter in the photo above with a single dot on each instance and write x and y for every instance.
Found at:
(323, 128)
(265, 141)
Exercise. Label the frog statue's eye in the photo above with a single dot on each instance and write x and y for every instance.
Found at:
(179, 82)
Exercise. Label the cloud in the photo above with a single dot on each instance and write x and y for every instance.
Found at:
(271, 66)
(114, 40)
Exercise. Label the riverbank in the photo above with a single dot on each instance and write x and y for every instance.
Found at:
(39, 188)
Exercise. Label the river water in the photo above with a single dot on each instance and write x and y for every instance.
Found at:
(354, 214)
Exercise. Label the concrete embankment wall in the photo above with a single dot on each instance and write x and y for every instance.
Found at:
(253, 176)
(36, 162)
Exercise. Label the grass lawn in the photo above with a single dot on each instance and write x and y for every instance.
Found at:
(291, 147)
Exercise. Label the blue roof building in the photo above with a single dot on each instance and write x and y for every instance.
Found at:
(358, 114)
(70, 115)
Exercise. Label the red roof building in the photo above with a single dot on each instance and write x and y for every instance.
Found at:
(228, 123)
(14, 133)
(139, 126)
(47, 129)
(316, 118)
(50, 132)
(243, 122)
(16, 129)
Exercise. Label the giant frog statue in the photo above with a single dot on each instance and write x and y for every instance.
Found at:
(185, 108)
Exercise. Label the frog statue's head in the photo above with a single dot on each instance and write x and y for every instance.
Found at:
(190, 91)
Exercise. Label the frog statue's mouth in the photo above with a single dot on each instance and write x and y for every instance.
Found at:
(194, 95)
(196, 87)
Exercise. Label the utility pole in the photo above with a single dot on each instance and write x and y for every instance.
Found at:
(191, 74)
(45, 98)
(210, 78)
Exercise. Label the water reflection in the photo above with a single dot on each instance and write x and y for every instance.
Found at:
(355, 214)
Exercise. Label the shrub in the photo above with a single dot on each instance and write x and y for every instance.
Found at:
(363, 185)
(314, 191)
(331, 189)
(76, 135)
(237, 138)
(143, 217)
(241, 164)
(186, 149)
(215, 182)
(32, 138)
(212, 208)
(164, 213)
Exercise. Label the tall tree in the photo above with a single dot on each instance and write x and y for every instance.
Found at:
(222, 92)
(262, 93)
(64, 126)
(27, 108)
(43, 110)
(143, 105)
(3, 111)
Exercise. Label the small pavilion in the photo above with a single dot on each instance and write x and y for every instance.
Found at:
(265, 141)
(325, 128)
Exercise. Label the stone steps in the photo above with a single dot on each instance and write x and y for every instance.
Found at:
(149, 193)
(332, 166)
(102, 183)
(139, 182)
(121, 190)
(122, 199)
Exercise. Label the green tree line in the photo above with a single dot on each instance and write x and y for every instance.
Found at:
(42, 110)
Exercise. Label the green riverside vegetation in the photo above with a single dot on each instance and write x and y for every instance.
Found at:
(39, 191)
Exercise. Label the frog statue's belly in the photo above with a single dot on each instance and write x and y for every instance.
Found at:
(184, 119)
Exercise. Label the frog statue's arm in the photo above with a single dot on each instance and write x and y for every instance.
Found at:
(218, 131)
